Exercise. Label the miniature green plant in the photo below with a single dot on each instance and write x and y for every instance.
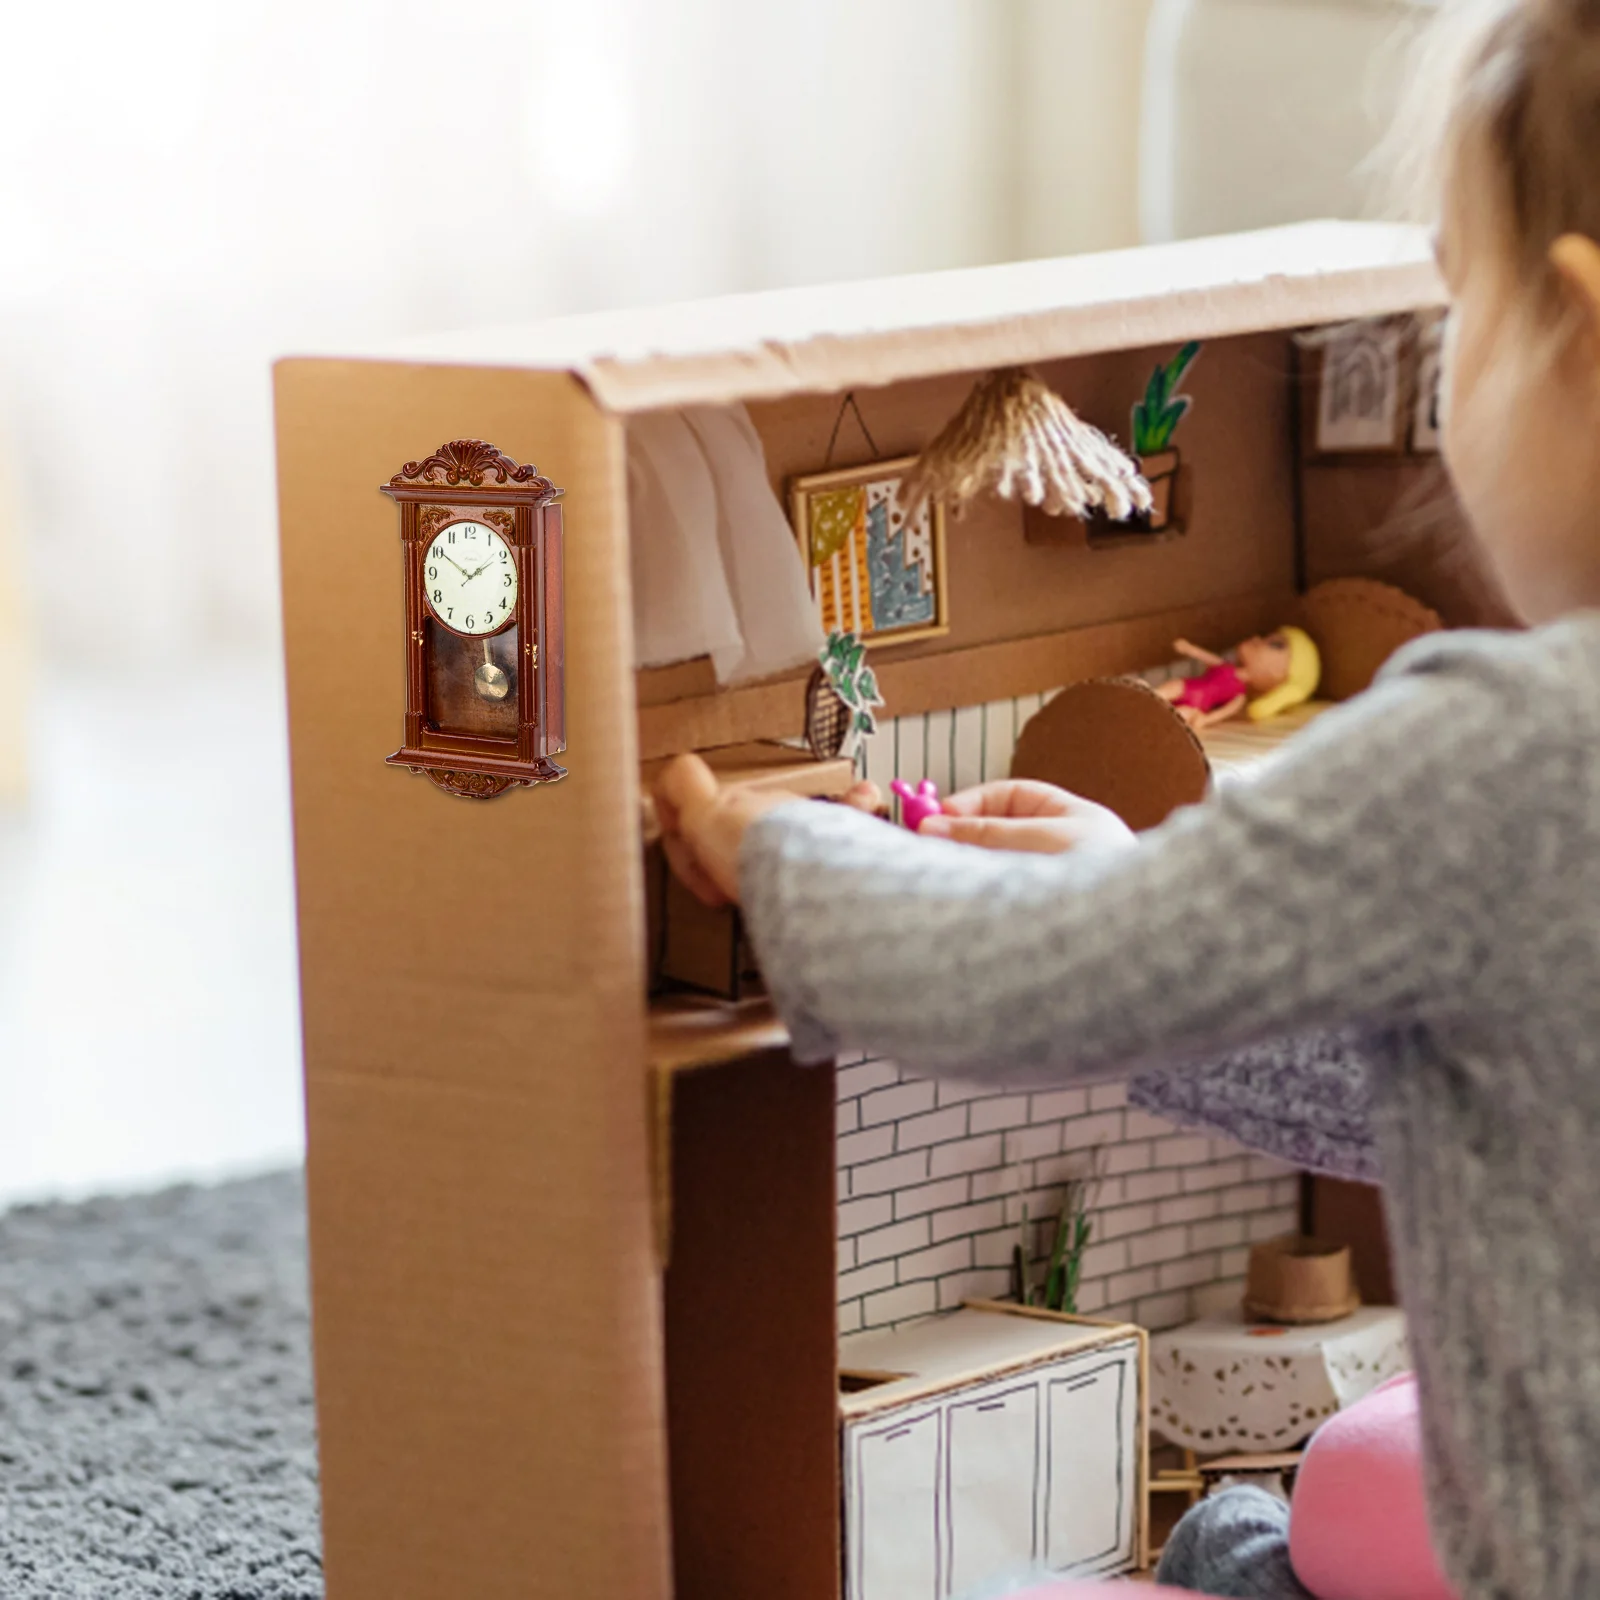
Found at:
(844, 661)
(1156, 417)
(1074, 1228)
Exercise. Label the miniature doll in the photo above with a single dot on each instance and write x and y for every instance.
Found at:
(1267, 676)
(917, 805)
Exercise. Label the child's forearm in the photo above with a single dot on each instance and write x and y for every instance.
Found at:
(995, 965)
(1298, 902)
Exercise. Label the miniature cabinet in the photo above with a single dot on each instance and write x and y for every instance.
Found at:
(574, 1273)
(990, 1444)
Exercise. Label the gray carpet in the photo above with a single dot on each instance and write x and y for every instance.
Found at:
(156, 1429)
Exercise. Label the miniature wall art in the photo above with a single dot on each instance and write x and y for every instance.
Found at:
(876, 567)
(1262, 677)
(1360, 388)
(485, 685)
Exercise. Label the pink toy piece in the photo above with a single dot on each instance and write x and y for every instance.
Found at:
(917, 805)
(1359, 1527)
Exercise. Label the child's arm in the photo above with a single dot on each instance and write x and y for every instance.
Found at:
(1364, 878)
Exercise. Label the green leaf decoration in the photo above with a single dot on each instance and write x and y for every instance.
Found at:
(844, 661)
(1157, 415)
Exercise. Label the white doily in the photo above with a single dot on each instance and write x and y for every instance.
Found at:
(1223, 1384)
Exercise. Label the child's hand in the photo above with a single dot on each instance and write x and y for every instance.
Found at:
(703, 824)
(1019, 814)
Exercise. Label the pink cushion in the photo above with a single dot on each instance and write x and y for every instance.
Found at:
(1359, 1527)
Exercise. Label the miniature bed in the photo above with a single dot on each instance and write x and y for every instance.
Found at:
(573, 1249)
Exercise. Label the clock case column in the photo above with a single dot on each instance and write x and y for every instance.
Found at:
(474, 765)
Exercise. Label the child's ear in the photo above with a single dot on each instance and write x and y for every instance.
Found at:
(1577, 259)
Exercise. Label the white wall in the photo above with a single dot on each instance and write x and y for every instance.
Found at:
(192, 189)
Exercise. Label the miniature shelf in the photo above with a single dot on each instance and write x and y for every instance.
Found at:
(1242, 750)
(687, 1032)
(761, 765)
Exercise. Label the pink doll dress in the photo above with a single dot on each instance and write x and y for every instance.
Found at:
(1213, 688)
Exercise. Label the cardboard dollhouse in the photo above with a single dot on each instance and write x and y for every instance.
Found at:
(581, 1258)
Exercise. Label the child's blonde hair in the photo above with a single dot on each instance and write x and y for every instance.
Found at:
(1505, 123)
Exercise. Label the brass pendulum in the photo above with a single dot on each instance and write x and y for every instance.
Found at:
(490, 681)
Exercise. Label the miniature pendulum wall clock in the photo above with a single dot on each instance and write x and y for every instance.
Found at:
(485, 695)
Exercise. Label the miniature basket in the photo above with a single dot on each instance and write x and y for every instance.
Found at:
(828, 718)
(1299, 1279)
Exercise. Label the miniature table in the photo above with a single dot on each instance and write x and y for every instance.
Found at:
(1223, 1384)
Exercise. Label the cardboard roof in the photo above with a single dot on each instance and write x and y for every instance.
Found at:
(837, 336)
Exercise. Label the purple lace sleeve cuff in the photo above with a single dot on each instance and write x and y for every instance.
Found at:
(1304, 1100)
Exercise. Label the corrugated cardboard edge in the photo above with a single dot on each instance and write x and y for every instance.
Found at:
(833, 337)
(1358, 623)
(1117, 742)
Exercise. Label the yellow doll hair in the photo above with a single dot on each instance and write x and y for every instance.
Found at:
(1305, 672)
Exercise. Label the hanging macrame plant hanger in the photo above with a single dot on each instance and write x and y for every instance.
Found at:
(1015, 437)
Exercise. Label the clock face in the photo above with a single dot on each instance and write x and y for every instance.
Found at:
(469, 579)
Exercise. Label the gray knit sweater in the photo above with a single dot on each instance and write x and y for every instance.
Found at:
(1424, 867)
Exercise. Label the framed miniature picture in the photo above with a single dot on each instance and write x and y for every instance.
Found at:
(1361, 397)
(1425, 419)
(873, 571)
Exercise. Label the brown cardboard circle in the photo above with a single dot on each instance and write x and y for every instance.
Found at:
(1117, 742)
(1357, 624)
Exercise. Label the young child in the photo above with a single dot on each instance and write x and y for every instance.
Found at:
(1423, 866)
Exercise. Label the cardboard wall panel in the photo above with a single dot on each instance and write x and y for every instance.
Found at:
(471, 974)
(752, 1333)
(1399, 521)
(1237, 447)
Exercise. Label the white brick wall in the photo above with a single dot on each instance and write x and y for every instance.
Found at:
(930, 1201)
(933, 1177)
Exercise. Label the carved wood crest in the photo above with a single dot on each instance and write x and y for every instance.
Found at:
(470, 462)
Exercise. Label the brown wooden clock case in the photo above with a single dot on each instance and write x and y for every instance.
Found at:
(485, 709)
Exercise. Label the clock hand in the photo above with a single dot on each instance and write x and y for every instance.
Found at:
(457, 565)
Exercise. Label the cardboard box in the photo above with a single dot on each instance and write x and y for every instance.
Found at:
(506, 1408)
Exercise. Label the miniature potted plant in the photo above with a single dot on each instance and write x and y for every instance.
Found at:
(841, 697)
(1155, 421)
(1070, 1237)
